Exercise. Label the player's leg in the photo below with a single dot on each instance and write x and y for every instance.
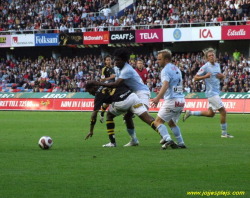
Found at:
(104, 108)
(216, 103)
(166, 138)
(209, 113)
(124, 106)
(145, 97)
(130, 129)
(223, 121)
(110, 129)
(177, 132)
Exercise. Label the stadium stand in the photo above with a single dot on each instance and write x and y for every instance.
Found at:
(83, 15)
(70, 75)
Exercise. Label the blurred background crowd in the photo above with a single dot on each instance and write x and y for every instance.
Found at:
(96, 15)
(70, 74)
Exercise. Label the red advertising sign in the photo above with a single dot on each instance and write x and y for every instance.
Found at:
(91, 38)
(26, 104)
(47, 104)
(149, 36)
(74, 105)
(231, 105)
(235, 32)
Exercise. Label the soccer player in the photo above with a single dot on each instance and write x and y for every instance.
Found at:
(129, 77)
(174, 100)
(121, 99)
(108, 75)
(211, 73)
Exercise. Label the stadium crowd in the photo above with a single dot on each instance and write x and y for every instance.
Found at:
(70, 75)
(20, 15)
(199, 12)
(95, 15)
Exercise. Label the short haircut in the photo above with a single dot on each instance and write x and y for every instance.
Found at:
(140, 60)
(107, 56)
(89, 86)
(207, 50)
(123, 54)
(166, 54)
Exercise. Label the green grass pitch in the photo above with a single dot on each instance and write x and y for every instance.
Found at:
(78, 168)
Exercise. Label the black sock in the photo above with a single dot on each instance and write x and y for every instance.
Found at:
(103, 110)
(153, 126)
(111, 130)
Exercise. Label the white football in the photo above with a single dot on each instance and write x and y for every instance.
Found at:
(45, 142)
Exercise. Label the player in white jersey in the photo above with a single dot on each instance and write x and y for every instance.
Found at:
(211, 73)
(129, 77)
(174, 100)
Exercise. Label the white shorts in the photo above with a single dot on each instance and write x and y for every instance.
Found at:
(215, 103)
(171, 109)
(131, 103)
(144, 96)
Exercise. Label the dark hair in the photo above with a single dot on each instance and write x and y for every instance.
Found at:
(89, 85)
(122, 53)
(107, 56)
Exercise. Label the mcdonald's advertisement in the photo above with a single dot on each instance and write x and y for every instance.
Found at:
(90, 38)
(70, 38)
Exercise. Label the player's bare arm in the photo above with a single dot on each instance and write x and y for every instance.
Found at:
(164, 88)
(220, 76)
(117, 83)
(109, 78)
(197, 77)
(92, 124)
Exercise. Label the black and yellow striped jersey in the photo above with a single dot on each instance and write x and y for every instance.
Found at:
(109, 95)
(107, 72)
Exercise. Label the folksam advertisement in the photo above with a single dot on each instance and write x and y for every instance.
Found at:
(46, 39)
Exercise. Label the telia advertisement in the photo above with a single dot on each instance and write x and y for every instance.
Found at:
(236, 32)
(5, 41)
(22, 40)
(46, 39)
(149, 36)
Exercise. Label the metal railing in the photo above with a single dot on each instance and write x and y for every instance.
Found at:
(131, 27)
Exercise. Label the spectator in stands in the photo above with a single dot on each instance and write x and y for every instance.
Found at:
(5, 75)
(28, 85)
(71, 29)
(20, 83)
(63, 28)
(236, 55)
(47, 84)
(140, 69)
(106, 11)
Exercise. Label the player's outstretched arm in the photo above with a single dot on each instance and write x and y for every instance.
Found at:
(108, 78)
(115, 84)
(92, 124)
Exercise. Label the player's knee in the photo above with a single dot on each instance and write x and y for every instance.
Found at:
(109, 116)
(211, 114)
(127, 116)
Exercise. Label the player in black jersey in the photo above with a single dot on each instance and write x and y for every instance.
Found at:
(108, 75)
(122, 100)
